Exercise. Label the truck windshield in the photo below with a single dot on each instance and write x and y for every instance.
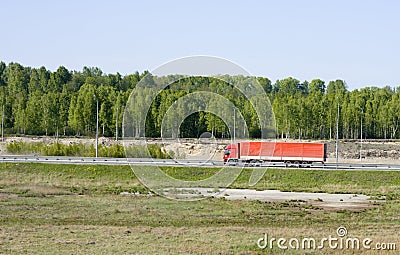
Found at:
(227, 152)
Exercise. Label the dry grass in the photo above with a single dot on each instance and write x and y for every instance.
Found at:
(77, 239)
(112, 224)
(49, 209)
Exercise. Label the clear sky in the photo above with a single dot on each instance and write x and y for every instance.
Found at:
(354, 40)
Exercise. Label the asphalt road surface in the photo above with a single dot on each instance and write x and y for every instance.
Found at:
(170, 162)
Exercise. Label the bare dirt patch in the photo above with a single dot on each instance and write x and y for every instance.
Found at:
(372, 151)
(311, 201)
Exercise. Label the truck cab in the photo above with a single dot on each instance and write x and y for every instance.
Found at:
(231, 153)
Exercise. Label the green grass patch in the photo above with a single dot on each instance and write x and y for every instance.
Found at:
(336, 181)
(77, 179)
(108, 178)
(190, 173)
(374, 183)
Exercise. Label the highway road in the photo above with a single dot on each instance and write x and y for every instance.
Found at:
(170, 162)
(104, 161)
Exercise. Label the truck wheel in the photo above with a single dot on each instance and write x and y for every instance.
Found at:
(254, 162)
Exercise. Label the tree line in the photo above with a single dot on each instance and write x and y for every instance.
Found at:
(37, 101)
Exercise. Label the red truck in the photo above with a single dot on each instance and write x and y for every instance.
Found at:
(291, 153)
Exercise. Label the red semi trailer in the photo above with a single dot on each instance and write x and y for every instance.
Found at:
(291, 153)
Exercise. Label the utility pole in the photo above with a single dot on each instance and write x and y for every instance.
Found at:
(2, 125)
(116, 126)
(234, 124)
(337, 135)
(97, 126)
(361, 128)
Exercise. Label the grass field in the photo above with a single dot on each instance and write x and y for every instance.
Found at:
(78, 209)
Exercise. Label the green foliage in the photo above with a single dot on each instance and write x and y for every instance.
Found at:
(40, 102)
(87, 150)
(113, 151)
(316, 85)
(142, 151)
(75, 149)
(24, 148)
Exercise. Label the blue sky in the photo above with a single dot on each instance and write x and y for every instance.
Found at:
(358, 41)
